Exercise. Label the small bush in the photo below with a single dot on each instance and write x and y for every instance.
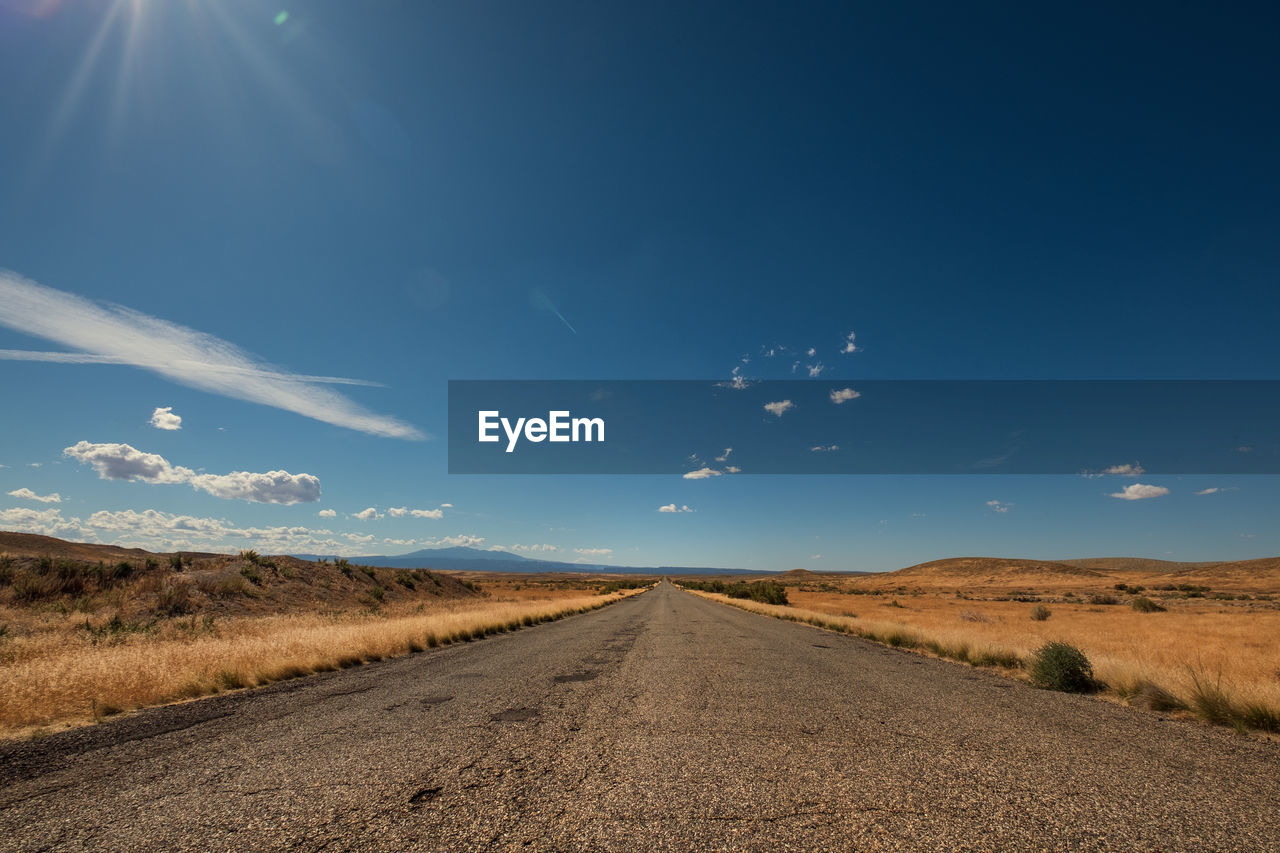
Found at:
(1061, 666)
(1256, 715)
(1040, 613)
(1142, 604)
(251, 575)
(175, 562)
(250, 555)
(1106, 598)
(1211, 702)
(174, 599)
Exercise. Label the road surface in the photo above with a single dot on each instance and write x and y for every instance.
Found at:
(664, 722)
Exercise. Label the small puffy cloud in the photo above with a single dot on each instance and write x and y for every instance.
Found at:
(273, 487)
(779, 408)
(399, 541)
(327, 513)
(674, 508)
(824, 448)
(530, 549)
(844, 395)
(732, 469)
(815, 370)
(1140, 491)
(702, 474)
(594, 552)
(124, 462)
(356, 537)
(999, 506)
(1127, 470)
(736, 380)
(164, 418)
(27, 494)
(815, 556)
(1213, 490)
(426, 513)
(849, 345)
(811, 352)
(462, 541)
(724, 457)
(446, 506)
(367, 514)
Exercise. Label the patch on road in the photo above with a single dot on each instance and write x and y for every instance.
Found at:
(514, 715)
(585, 675)
(424, 795)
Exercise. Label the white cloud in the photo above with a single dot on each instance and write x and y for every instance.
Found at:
(327, 513)
(731, 469)
(273, 487)
(849, 345)
(725, 456)
(780, 407)
(1210, 491)
(998, 506)
(736, 381)
(402, 511)
(399, 541)
(815, 556)
(446, 506)
(124, 462)
(594, 552)
(1127, 470)
(702, 474)
(47, 522)
(27, 494)
(819, 448)
(463, 541)
(1139, 491)
(118, 335)
(366, 514)
(674, 508)
(843, 395)
(529, 549)
(815, 370)
(357, 538)
(811, 352)
(164, 418)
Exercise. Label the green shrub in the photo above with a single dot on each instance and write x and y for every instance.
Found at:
(1039, 613)
(1061, 666)
(250, 555)
(251, 575)
(1142, 604)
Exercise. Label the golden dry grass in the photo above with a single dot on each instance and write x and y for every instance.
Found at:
(1196, 643)
(63, 674)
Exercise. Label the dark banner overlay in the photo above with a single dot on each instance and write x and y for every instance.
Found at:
(864, 427)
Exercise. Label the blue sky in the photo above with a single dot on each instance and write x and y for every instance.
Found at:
(236, 203)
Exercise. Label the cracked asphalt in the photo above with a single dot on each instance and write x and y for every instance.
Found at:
(664, 722)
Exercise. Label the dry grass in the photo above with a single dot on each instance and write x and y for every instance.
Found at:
(65, 674)
(1219, 660)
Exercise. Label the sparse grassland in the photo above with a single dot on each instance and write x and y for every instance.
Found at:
(82, 639)
(1183, 649)
(73, 668)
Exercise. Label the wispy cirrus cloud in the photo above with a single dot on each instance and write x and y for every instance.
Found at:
(125, 462)
(27, 494)
(999, 506)
(113, 334)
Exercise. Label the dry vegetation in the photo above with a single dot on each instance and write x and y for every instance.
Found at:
(1195, 639)
(88, 631)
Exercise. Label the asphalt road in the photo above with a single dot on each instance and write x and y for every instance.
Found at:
(663, 722)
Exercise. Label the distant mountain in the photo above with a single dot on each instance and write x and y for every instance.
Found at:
(462, 559)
